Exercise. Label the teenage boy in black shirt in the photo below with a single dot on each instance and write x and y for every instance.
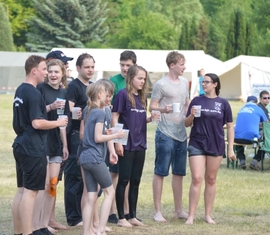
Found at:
(77, 97)
(30, 145)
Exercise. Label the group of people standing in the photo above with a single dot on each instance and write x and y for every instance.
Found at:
(87, 145)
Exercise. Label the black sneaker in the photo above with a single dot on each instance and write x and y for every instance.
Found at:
(113, 219)
(38, 232)
(46, 231)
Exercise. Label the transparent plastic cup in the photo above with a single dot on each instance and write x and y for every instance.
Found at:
(75, 111)
(62, 116)
(155, 116)
(198, 110)
(61, 110)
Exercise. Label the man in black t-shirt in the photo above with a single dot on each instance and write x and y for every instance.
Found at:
(77, 97)
(30, 144)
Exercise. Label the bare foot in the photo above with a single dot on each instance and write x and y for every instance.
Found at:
(107, 229)
(52, 230)
(209, 220)
(189, 220)
(135, 222)
(57, 225)
(124, 223)
(159, 218)
(181, 215)
(79, 224)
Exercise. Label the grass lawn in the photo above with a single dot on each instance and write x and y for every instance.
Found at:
(242, 204)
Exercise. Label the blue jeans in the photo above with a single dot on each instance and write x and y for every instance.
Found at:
(170, 152)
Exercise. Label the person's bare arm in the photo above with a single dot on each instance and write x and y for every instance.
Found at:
(230, 138)
(42, 124)
(63, 135)
(100, 137)
(119, 149)
(154, 105)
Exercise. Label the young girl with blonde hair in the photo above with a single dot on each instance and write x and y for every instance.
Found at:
(92, 158)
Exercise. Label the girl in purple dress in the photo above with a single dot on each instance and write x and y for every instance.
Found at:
(129, 108)
(207, 145)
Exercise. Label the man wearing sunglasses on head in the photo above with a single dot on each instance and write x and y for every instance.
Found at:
(264, 101)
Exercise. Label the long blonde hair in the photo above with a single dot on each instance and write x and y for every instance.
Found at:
(56, 62)
(92, 92)
(132, 72)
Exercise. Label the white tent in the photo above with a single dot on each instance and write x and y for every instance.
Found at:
(154, 61)
(12, 72)
(107, 64)
(241, 73)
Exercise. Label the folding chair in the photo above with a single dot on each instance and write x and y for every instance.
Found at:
(265, 144)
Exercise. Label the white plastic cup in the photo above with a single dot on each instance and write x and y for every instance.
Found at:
(117, 127)
(176, 107)
(124, 140)
(198, 110)
(62, 116)
(75, 111)
(155, 116)
(60, 111)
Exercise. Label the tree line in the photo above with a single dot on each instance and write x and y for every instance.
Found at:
(223, 28)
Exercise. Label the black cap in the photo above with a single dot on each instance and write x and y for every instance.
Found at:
(58, 55)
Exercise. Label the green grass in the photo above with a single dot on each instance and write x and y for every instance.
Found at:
(241, 205)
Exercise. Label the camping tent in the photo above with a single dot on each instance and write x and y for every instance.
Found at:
(107, 64)
(12, 72)
(241, 74)
(154, 61)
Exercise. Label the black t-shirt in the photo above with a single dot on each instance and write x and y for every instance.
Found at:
(50, 94)
(29, 105)
(77, 94)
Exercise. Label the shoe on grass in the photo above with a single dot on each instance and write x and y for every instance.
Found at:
(243, 164)
(113, 219)
(254, 165)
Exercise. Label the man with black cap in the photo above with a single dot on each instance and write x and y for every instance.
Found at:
(60, 56)
(247, 125)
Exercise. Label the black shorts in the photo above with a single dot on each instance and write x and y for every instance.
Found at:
(31, 171)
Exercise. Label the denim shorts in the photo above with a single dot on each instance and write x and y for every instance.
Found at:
(170, 152)
(196, 152)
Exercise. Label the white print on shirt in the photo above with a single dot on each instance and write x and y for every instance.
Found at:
(17, 99)
(216, 110)
(217, 106)
(138, 110)
(246, 110)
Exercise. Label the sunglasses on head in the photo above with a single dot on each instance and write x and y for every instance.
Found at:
(265, 98)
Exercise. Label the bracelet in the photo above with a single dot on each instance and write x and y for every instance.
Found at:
(50, 107)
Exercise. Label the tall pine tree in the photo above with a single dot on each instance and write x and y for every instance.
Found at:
(66, 23)
(237, 35)
(6, 40)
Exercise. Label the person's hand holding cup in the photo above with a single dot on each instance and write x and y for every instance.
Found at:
(176, 107)
(59, 104)
(197, 110)
(155, 116)
(76, 113)
(62, 121)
